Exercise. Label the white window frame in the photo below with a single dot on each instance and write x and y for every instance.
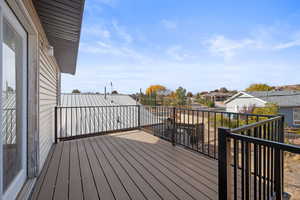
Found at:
(15, 187)
(296, 122)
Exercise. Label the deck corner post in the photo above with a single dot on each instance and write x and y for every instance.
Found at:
(174, 126)
(224, 164)
(278, 173)
(139, 116)
(282, 154)
(55, 124)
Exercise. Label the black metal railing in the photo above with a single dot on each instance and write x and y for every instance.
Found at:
(191, 128)
(251, 160)
(83, 121)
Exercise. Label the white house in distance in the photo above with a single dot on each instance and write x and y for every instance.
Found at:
(288, 102)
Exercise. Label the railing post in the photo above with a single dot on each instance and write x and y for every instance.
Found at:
(174, 126)
(281, 131)
(139, 116)
(224, 164)
(280, 160)
(55, 124)
(278, 174)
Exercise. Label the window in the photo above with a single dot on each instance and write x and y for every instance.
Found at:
(296, 116)
(13, 107)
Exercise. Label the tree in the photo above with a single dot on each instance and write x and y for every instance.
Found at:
(114, 92)
(223, 90)
(189, 94)
(154, 89)
(76, 91)
(269, 109)
(259, 87)
(180, 96)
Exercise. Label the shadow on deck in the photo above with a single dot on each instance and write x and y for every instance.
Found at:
(128, 165)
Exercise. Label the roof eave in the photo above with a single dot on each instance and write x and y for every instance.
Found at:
(62, 22)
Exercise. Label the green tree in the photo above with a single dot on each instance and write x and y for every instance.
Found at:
(223, 89)
(180, 96)
(269, 109)
(76, 91)
(259, 87)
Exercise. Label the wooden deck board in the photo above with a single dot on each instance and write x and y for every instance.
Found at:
(48, 186)
(62, 183)
(190, 181)
(175, 174)
(88, 183)
(75, 184)
(128, 165)
(100, 179)
(130, 186)
(115, 183)
(148, 191)
(161, 190)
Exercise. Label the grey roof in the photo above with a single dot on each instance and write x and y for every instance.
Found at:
(71, 99)
(286, 98)
(61, 20)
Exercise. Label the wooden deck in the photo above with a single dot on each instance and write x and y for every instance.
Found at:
(129, 165)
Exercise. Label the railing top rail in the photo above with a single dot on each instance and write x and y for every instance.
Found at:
(256, 124)
(259, 141)
(216, 111)
(178, 108)
(96, 106)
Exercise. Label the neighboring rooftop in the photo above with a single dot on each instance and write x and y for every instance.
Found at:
(82, 99)
(281, 98)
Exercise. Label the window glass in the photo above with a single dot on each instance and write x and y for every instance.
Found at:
(297, 116)
(12, 60)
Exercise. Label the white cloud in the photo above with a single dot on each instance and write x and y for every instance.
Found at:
(286, 45)
(227, 48)
(113, 50)
(268, 39)
(122, 32)
(176, 52)
(168, 24)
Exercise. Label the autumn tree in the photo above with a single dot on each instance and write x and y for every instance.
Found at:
(189, 94)
(154, 89)
(259, 87)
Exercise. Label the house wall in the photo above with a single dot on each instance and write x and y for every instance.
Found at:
(238, 104)
(288, 116)
(48, 89)
(48, 97)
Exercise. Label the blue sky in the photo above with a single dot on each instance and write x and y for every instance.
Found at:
(200, 45)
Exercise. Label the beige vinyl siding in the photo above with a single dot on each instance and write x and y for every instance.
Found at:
(48, 93)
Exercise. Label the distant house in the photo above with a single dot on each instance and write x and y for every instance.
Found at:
(217, 96)
(288, 102)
